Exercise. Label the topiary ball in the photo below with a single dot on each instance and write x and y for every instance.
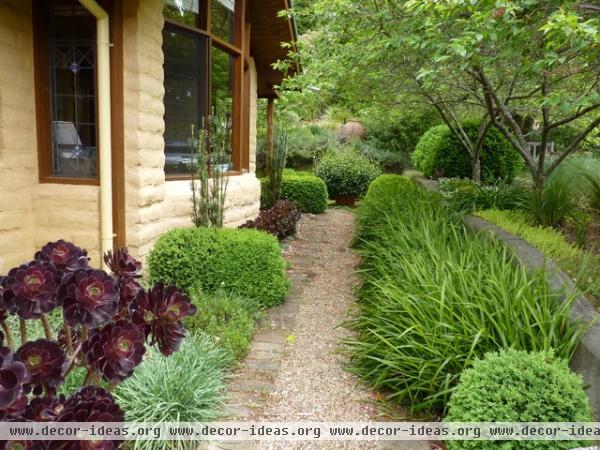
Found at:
(346, 172)
(440, 153)
(518, 386)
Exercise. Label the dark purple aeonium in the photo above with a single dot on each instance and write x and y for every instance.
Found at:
(160, 312)
(13, 377)
(30, 289)
(89, 404)
(45, 362)
(115, 350)
(64, 255)
(89, 297)
(122, 264)
(44, 409)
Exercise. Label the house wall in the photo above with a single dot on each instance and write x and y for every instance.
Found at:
(32, 214)
(154, 205)
(18, 158)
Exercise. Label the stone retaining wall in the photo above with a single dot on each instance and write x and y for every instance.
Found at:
(586, 360)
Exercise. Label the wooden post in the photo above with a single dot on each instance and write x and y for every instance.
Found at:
(270, 133)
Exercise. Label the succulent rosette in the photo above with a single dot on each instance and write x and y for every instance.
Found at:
(128, 292)
(30, 289)
(122, 264)
(44, 409)
(13, 377)
(89, 297)
(89, 404)
(45, 362)
(160, 312)
(115, 350)
(64, 255)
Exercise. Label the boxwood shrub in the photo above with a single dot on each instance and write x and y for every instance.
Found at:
(346, 172)
(517, 386)
(439, 153)
(244, 262)
(306, 190)
(371, 211)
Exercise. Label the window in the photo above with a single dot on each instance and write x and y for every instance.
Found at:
(66, 90)
(223, 19)
(222, 79)
(201, 78)
(183, 11)
(185, 94)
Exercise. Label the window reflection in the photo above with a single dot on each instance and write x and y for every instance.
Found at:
(222, 91)
(184, 11)
(185, 94)
(222, 19)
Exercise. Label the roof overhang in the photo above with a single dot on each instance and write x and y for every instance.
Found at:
(268, 31)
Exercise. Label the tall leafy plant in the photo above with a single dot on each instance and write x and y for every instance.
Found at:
(277, 164)
(209, 172)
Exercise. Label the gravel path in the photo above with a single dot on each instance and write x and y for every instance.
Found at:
(311, 384)
(294, 370)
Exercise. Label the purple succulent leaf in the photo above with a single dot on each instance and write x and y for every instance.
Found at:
(160, 312)
(122, 264)
(13, 377)
(89, 297)
(44, 409)
(115, 350)
(64, 255)
(45, 362)
(30, 289)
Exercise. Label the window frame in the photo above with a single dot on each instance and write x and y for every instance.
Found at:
(240, 161)
(43, 103)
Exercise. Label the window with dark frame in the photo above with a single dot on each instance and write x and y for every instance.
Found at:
(66, 95)
(185, 94)
(199, 77)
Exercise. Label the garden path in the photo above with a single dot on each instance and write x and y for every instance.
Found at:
(294, 370)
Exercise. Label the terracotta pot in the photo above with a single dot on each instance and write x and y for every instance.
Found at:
(345, 200)
(352, 129)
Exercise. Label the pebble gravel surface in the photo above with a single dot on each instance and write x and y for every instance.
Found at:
(311, 384)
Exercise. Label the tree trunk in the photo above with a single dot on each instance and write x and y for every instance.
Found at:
(476, 169)
(538, 180)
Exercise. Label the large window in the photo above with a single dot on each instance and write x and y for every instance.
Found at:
(66, 94)
(201, 76)
(185, 94)
(223, 19)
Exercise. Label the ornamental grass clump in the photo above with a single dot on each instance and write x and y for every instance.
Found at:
(108, 322)
(190, 386)
(518, 386)
(434, 299)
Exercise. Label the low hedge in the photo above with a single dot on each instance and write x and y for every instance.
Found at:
(306, 190)
(243, 262)
(517, 386)
(439, 153)
(346, 172)
(581, 266)
(371, 211)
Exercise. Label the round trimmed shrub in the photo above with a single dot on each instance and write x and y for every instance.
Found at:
(518, 386)
(243, 262)
(306, 190)
(439, 153)
(346, 172)
(384, 191)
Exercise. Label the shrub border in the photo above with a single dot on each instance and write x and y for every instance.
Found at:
(586, 360)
